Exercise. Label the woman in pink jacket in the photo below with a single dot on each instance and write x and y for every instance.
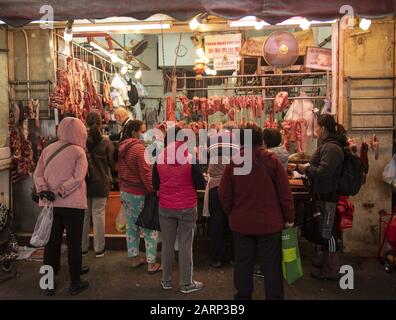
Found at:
(177, 177)
(60, 174)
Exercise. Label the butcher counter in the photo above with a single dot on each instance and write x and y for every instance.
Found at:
(299, 191)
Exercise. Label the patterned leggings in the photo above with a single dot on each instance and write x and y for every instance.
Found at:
(133, 205)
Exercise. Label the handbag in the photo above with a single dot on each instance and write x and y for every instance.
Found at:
(149, 216)
(291, 259)
(34, 194)
(319, 220)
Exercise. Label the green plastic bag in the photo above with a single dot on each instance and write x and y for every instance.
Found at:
(291, 260)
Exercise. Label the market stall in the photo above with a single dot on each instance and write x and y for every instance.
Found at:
(165, 70)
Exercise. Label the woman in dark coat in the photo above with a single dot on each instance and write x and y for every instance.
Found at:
(324, 171)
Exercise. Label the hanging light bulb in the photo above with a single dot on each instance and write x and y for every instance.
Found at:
(365, 24)
(259, 24)
(124, 69)
(305, 24)
(138, 74)
(194, 24)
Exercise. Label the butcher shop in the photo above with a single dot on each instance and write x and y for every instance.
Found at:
(208, 66)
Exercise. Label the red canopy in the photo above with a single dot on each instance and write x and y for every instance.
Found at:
(20, 12)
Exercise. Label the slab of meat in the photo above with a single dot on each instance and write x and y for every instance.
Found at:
(196, 104)
(231, 114)
(301, 135)
(204, 108)
(106, 96)
(170, 110)
(374, 144)
(225, 104)
(270, 123)
(295, 132)
(259, 106)
(185, 102)
(281, 101)
(302, 109)
(363, 155)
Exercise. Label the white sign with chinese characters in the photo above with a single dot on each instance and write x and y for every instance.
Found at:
(224, 49)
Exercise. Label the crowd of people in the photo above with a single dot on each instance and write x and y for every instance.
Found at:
(247, 212)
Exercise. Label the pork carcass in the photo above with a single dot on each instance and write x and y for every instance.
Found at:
(281, 101)
(302, 109)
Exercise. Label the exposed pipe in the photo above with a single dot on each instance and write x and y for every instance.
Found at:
(27, 63)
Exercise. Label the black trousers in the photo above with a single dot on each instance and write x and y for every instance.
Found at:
(72, 220)
(219, 230)
(268, 249)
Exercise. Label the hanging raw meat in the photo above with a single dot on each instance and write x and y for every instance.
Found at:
(374, 144)
(204, 108)
(196, 104)
(170, 110)
(302, 109)
(225, 104)
(259, 106)
(271, 124)
(364, 157)
(281, 101)
(106, 96)
(185, 102)
(301, 135)
(231, 114)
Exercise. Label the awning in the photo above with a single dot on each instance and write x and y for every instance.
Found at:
(20, 12)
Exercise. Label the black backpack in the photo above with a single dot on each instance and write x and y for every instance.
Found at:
(133, 94)
(352, 175)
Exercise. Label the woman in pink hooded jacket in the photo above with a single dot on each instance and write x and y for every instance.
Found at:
(61, 172)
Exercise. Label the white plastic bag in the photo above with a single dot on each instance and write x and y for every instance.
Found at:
(42, 230)
(389, 174)
(121, 220)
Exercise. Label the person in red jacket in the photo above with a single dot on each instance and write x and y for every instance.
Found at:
(259, 205)
(135, 182)
(177, 177)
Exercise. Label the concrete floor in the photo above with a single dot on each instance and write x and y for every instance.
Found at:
(112, 278)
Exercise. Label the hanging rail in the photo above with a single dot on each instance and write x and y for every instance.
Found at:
(259, 87)
(305, 74)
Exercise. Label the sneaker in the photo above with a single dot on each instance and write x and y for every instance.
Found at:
(50, 292)
(216, 264)
(194, 286)
(78, 287)
(84, 270)
(258, 274)
(84, 253)
(100, 254)
(166, 286)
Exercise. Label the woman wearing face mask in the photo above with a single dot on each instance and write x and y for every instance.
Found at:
(324, 170)
(135, 182)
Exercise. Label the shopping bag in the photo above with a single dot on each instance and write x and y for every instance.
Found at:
(149, 217)
(319, 221)
(120, 221)
(42, 229)
(291, 260)
(389, 173)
